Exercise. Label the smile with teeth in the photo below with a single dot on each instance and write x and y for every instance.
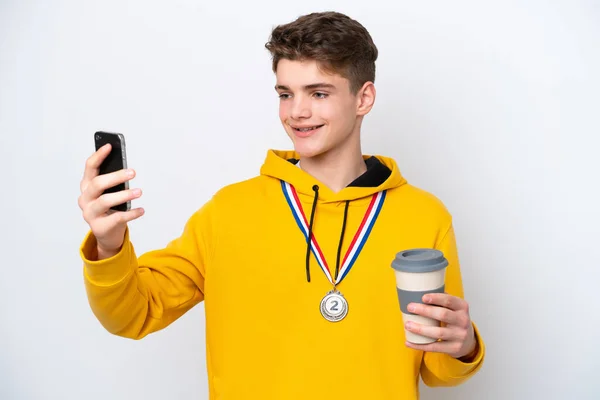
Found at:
(312, 128)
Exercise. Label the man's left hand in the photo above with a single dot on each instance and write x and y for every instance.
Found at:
(456, 334)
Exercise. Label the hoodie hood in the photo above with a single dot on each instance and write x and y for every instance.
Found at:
(382, 174)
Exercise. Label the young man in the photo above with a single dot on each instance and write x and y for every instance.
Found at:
(246, 252)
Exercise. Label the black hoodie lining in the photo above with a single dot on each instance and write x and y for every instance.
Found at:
(376, 174)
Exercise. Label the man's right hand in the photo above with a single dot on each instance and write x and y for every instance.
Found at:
(108, 226)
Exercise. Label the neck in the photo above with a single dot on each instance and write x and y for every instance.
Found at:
(336, 168)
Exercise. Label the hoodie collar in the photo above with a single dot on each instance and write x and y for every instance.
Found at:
(375, 175)
(382, 174)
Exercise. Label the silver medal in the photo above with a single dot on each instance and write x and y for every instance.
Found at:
(334, 306)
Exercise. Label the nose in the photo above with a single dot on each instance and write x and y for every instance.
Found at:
(301, 108)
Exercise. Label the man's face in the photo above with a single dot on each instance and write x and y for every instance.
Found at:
(317, 109)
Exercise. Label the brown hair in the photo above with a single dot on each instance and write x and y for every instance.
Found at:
(338, 43)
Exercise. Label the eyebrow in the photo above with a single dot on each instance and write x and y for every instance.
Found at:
(319, 85)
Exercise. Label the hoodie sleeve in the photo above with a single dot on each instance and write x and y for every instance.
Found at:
(133, 297)
(440, 369)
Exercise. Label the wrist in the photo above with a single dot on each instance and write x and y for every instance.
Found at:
(102, 253)
(470, 356)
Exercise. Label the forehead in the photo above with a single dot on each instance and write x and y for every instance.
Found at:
(296, 74)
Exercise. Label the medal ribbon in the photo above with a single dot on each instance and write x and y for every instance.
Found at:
(358, 242)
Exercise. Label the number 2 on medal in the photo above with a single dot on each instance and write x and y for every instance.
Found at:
(334, 306)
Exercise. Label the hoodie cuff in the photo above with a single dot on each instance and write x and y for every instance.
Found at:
(108, 271)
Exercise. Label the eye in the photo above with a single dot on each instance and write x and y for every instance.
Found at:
(320, 95)
(284, 96)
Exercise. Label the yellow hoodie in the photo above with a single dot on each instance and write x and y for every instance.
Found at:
(244, 254)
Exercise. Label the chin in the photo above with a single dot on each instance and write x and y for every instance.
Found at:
(305, 149)
(308, 145)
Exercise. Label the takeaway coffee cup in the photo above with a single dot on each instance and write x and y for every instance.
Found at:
(418, 272)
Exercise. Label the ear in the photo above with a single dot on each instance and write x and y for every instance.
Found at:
(365, 98)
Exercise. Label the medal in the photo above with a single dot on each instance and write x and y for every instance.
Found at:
(334, 306)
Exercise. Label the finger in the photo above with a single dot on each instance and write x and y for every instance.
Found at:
(100, 183)
(438, 313)
(123, 217)
(93, 163)
(446, 300)
(106, 201)
(437, 347)
(437, 332)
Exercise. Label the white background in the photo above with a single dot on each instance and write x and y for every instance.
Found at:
(492, 106)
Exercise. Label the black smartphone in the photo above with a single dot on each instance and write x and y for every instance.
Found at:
(115, 161)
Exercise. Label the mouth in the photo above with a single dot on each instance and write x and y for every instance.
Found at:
(306, 131)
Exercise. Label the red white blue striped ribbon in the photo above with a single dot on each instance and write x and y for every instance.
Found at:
(358, 242)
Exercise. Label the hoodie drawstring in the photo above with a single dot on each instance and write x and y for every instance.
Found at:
(310, 226)
(315, 188)
(339, 253)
